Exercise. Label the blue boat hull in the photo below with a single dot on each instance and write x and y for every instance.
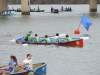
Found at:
(41, 70)
(12, 14)
(66, 11)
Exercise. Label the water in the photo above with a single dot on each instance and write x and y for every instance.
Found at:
(60, 60)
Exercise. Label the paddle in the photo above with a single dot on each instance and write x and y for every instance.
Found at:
(60, 35)
(85, 38)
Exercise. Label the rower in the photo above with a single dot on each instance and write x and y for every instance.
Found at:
(36, 38)
(27, 64)
(52, 9)
(38, 8)
(66, 9)
(46, 39)
(68, 38)
(70, 8)
(58, 39)
(5, 12)
(27, 37)
(62, 8)
(11, 65)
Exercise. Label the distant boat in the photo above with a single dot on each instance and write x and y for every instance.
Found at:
(32, 10)
(55, 11)
(11, 10)
(11, 14)
(66, 10)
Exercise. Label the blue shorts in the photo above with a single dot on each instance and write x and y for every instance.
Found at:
(26, 68)
(9, 70)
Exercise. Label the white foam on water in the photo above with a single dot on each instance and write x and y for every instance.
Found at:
(25, 44)
(13, 40)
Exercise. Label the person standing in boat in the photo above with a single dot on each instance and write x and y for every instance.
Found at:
(68, 38)
(70, 8)
(46, 39)
(52, 9)
(12, 64)
(38, 8)
(27, 37)
(62, 8)
(36, 38)
(27, 64)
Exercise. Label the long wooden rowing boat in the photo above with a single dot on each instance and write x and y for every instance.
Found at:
(31, 11)
(39, 68)
(74, 42)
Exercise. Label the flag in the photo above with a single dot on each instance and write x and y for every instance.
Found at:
(86, 22)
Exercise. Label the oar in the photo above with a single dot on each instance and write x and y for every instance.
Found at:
(85, 38)
(60, 35)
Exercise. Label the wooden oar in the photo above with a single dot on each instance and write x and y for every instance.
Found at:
(85, 38)
(60, 35)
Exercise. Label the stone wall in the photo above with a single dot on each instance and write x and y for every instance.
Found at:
(53, 1)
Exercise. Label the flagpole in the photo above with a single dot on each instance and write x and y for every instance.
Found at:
(79, 26)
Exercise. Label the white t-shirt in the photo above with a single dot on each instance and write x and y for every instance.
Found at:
(28, 61)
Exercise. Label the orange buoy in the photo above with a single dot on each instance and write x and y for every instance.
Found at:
(77, 32)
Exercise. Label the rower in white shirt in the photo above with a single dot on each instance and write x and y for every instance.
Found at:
(27, 64)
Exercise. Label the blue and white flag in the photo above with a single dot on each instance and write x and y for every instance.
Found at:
(86, 22)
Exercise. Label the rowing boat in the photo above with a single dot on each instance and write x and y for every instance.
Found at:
(31, 10)
(74, 42)
(39, 68)
(11, 14)
(66, 10)
(55, 11)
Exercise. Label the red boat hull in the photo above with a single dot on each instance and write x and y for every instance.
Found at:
(78, 43)
(73, 43)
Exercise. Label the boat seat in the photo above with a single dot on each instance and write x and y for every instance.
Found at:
(17, 69)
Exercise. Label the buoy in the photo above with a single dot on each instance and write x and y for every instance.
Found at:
(77, 32)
